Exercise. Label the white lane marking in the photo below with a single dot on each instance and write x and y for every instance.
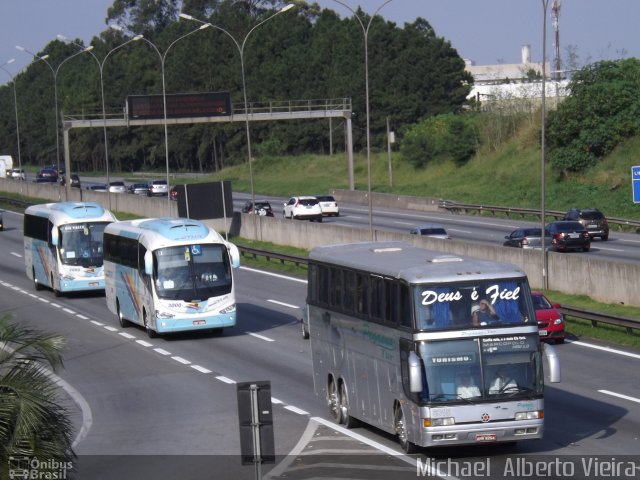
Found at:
(43, 300)
(33, 295)
(181, 360)
(605, 349)
(261, 337)
(144, 344)
(404, 223)
(200, 369)
(127, 335)
(56, 305)
(296, 410)
(610, 249)
(620, 395)
(69, 311)
(276, 401)
(283, 304)
(82, 317)
(16, 254)
(161, 351)
(95, 322)
(110, 328)
(277, 275)
(225, 379)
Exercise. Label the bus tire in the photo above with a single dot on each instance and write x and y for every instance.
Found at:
(150, 332)
(402, 431)
(347, 420)
(57, 293)
(36, 284)
(124, 323)
(334, 402)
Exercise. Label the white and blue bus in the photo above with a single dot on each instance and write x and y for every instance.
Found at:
(396, 342)
(170, 275)
(63, 245)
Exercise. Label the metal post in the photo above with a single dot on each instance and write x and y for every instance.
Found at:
(543, 266)
(255, 427)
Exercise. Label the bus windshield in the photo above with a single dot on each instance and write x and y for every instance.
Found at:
(477, 304)
(192, 272)
(81, 244)
(486, 368)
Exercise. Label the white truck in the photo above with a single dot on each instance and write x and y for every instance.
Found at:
(6, 164)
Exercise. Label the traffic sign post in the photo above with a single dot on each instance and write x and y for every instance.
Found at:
(256, 424)
(635, 183)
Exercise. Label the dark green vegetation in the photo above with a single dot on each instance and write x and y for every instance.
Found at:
(33, 420)
(303, 54)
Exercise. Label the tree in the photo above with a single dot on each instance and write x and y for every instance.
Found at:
(33, 423)
(602, 111)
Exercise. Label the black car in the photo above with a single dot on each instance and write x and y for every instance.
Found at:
(569, 235)
(263, 208)
(47, 175)
(75, 180)
(525, 238)
(592, 219)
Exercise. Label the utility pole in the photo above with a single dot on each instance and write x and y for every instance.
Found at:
(555, 12)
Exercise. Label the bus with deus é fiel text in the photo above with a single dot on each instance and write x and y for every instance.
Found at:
(395, 343)
(170, 275)
(63, 247)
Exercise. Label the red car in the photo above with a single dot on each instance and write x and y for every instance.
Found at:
(551, 325)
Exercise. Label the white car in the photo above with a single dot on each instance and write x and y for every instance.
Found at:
(117, 187)
(16, 173)
(303, 208)
(431, 230)
(158, 188)
(328, 205)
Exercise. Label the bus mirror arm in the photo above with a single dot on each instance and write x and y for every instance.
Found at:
(148, 263)
(415, 373)
(554, 362)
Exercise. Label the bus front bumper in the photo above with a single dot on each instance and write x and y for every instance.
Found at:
(466, 434)
(169, 325)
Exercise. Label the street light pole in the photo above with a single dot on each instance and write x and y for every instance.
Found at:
(240, 48)
(545, 285)
(164, 99)
(15, 107)
(365, 31)
(55, 93)
(104, 115)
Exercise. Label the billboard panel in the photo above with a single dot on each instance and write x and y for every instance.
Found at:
(179, 105)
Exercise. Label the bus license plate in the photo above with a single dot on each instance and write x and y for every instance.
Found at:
(543, 333)
(486, 437)
(199, 322)
(93, 284)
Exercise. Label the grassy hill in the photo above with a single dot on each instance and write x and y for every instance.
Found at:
(508, 176)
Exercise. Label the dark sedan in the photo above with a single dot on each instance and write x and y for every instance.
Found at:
(525, 238)
(569, 235)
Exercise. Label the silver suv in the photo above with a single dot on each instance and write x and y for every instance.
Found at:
(158, 188)
(303, 208)
(592, 219)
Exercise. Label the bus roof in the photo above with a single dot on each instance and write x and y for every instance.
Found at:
(70, 211)
(170, 229)
(413, 264)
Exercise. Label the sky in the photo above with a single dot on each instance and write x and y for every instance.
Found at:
(483, 31)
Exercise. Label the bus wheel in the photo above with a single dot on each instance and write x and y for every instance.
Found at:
(36, 284)
(401, 430)
(55, 292)
(333, 401)
(152, 333)
(346, 419)
(124, 323)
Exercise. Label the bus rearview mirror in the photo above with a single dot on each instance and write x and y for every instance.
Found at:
(415, 373)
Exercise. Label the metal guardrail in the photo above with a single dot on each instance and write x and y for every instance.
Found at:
(628, 323)
(455, 207)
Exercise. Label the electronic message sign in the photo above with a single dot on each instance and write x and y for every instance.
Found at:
(180, 105)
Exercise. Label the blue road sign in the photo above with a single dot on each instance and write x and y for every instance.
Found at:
(635, 183)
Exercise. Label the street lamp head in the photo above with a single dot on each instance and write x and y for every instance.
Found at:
(137, 37)
(88, 49)
(115, 27)
(186, 16)
(11, 60)
(289, 6)
(22, 49)
(205, 25)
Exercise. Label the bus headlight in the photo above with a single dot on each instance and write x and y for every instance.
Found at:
(530, 415)
(229, 309)
(438, 422)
